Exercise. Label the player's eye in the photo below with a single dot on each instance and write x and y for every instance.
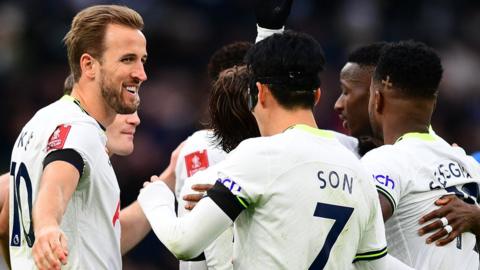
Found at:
(127, 59)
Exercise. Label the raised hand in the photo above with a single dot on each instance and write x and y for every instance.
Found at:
(272, 14)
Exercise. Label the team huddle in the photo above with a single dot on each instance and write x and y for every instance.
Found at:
(261, 187)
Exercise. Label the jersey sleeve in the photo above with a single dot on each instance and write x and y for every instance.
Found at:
(188, 236)
(218, 255)
(386, 175)
(242, 177)
(373, 244)
(83, 137)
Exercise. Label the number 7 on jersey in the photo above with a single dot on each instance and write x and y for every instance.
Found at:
(341, 215)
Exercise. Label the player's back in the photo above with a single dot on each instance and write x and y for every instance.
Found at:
(59, 126)
(311, 204)
(413, 173)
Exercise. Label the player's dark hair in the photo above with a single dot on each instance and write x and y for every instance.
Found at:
(226, 57)
(230, 119)
(411, 67)
(289, 64)
(367, 55)
(68, 84)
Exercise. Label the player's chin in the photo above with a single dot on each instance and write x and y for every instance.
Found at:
(126, 150)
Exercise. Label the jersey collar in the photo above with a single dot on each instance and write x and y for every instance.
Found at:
(77, 102)
(428, 137)
(312, 130)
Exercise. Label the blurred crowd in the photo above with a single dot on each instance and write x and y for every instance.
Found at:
(182, 34)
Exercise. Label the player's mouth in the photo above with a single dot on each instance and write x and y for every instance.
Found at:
(132, 89)
(130, 134)
(344, 121)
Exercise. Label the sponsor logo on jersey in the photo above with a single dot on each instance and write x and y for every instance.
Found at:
(385, 180)
(58, 137)
(196, 161)
(230, 184)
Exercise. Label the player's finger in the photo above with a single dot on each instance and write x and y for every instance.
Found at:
(456, 231)
(49, 261)
(154, 178)
(439, 234)
(64, 243)
(62, 250)
(201, 187)
(436, 225)
(146, 183)
(190, 206)
(438, 213)
(444, 200)
(193, 197)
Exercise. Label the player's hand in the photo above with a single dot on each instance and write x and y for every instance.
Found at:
(461, 216)
(50, 250)
(192, 199)
(272, 14)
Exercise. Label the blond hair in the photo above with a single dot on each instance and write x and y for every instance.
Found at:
(87, 32)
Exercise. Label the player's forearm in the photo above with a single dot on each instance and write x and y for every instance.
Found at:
(59, 181)
(135, 226)
(48, 208)
(188, 236)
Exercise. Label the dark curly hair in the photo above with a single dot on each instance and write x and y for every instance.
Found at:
(289, 63)
(226, 57)
(230, 119)
(412, 67)
(367, 55)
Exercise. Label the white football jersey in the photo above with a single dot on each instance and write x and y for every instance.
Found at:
(412, 174)
(91, 220)
(308, 203)
(351, 143)
(198, 153)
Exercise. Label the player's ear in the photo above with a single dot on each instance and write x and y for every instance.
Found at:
(262, 93)
(379, 100)
(87, 65)
(317, 95)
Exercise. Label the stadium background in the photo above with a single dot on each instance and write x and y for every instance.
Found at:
(182, 34)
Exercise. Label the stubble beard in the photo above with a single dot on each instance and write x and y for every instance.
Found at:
(113, 97)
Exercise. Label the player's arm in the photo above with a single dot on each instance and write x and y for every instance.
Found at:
(134, 225)
(188, 236)
(59, 180)
(385, 263)
(133, 221)
(271, 16)
(386, 205)
(4, 215)
(387, 178)
(461, 216)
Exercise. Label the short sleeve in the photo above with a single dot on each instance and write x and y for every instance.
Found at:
(242, 177)
(385, 174)
(83, 137)
(373, 244)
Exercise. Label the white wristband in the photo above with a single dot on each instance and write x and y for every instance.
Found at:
(263, 33)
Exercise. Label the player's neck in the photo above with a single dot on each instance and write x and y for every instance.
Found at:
(405, 116)
(94, 104)
(397, 127)
(281, 120)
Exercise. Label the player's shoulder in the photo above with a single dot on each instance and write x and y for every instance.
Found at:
(384, 152)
